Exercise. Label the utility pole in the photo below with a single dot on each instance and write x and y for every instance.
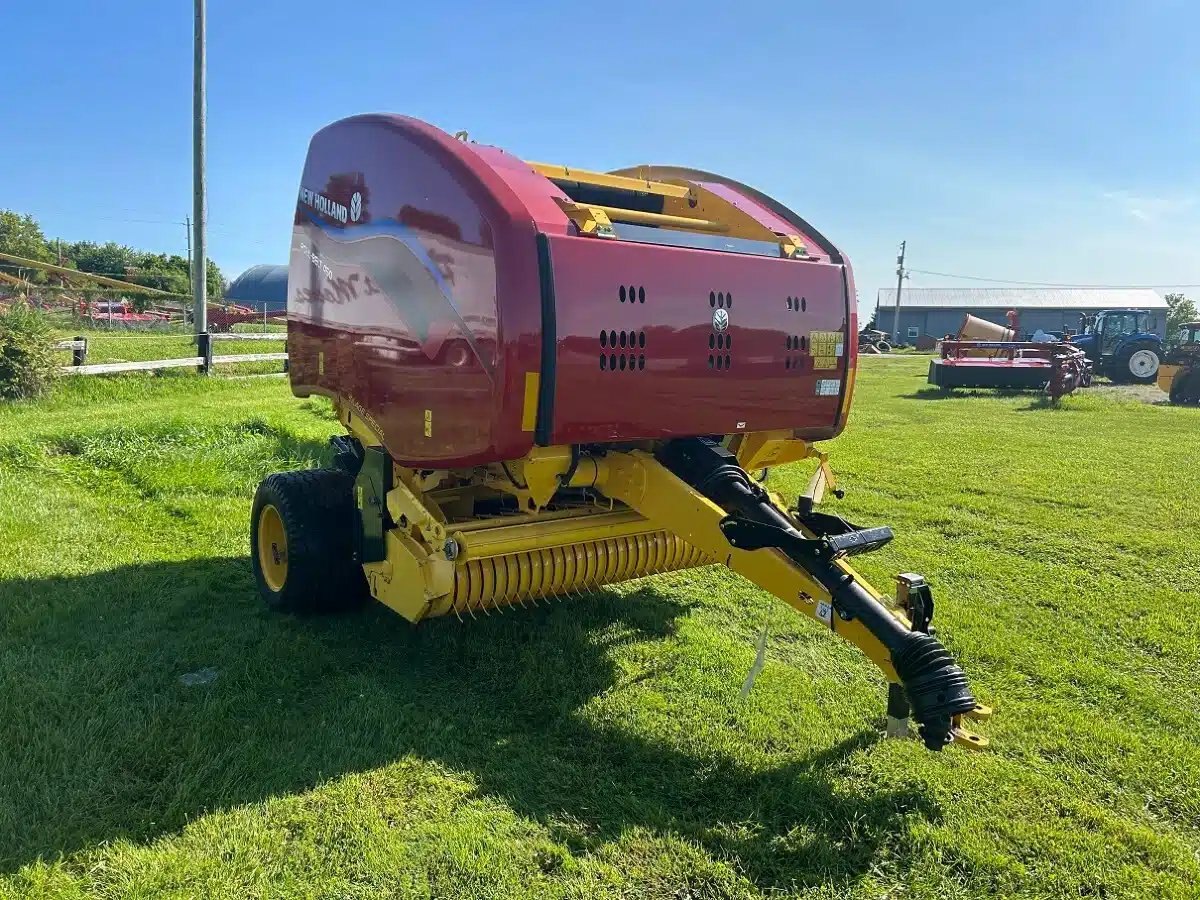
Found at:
(199, 200)
(900, 276)
(187, 222)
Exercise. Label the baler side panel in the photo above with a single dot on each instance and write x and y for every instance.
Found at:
(403, 244)
(782, 363)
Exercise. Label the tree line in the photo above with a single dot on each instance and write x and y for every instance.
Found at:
(21, 235)
(1182, 310)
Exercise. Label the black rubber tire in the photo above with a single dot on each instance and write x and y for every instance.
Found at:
(1186, 389)
(1121, 370)
(320, 523)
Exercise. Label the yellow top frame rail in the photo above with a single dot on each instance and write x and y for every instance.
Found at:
(686, 206)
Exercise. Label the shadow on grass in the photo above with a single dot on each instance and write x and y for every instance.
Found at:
(1042, 402)
(111, 745)
(936, 393)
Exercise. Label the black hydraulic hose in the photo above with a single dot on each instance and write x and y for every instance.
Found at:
(936, 687)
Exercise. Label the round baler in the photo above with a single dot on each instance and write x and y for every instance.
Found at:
(552, 379)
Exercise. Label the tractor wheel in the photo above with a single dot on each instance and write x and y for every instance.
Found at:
(1186, 388)
(302, 542)
(1138, 364)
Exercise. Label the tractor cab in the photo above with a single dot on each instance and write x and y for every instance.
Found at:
(1121, 344)
(1189, 336)
(1111, 325)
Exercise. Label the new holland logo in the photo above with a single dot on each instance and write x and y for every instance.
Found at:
(720, 320)
(356, 207)
(325, 206)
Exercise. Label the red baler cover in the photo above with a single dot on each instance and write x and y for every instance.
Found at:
(438, 288)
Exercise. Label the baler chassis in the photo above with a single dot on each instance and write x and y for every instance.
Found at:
(563, 521)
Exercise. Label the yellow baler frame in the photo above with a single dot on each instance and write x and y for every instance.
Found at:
(642, 520)
(686, 207)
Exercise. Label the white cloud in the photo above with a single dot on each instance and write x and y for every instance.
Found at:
(1150, 208)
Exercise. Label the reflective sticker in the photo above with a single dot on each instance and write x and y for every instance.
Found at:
(829, 387)
(825, 613)
(429, 423)
(839, 348)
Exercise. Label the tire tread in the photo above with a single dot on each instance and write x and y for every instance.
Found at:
(318, 513)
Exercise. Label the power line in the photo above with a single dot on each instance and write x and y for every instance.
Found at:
(1054, 283)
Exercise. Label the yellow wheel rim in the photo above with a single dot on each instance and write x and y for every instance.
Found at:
(272, 548)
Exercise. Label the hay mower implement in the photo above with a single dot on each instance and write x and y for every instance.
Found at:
(988, 355)
(1057, 369)
(553, 379)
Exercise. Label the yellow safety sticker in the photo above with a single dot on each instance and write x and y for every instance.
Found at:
(429, 423)
(529, 413)
(826, 347)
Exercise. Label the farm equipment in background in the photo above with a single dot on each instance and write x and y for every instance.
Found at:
(1179, 373)
(1120, 345)
(988, 355)
(120, 312)
(553, 380)
(974, 328)
(1056, 368)
(223, 316)
(162, 307)
(871, 340)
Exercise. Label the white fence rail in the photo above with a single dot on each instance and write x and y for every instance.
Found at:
(80, 366)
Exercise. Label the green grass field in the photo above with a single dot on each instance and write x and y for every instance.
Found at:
(597, 747)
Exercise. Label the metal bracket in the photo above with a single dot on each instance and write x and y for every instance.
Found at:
(589, 219)
(372, 482)
(792, 247)
(914, 596)
(822, 480)
(404, 504)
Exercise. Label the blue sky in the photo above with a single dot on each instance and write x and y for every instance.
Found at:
(1041, 141)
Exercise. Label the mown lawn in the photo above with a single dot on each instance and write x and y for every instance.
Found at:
(597, 747)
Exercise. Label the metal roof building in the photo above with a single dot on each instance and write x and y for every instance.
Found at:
(936, 312)
(263, 287)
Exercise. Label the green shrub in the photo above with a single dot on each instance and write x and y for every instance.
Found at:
(27, 364)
